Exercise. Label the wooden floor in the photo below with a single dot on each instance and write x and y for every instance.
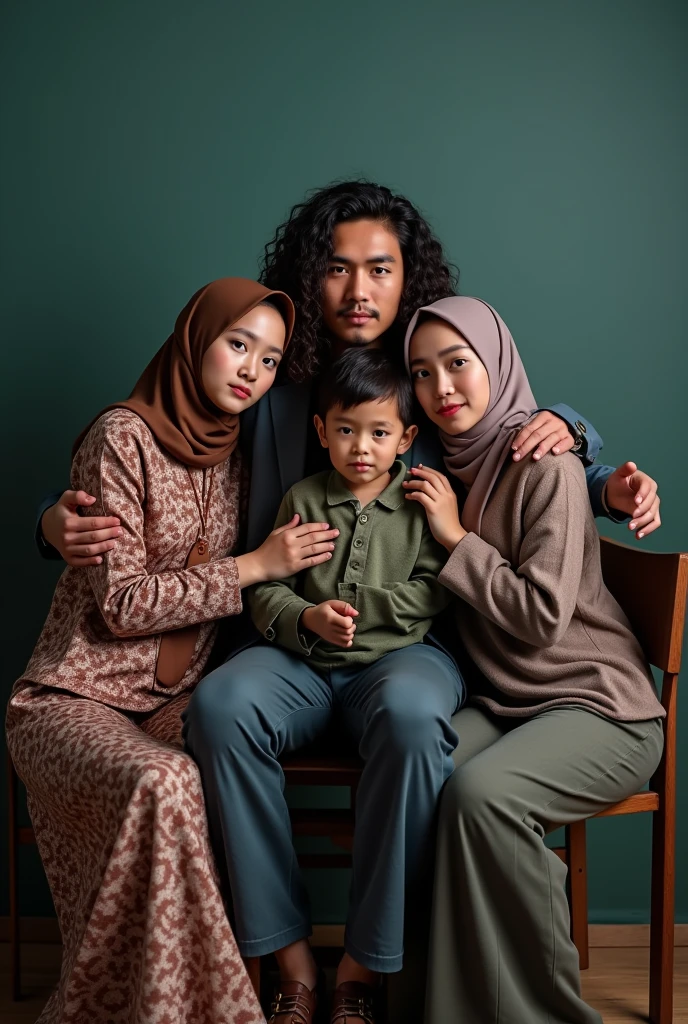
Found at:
(616, 983)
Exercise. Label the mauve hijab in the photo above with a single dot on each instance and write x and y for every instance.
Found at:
(169, 394)
(477, 456)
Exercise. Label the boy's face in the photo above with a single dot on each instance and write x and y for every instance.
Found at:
(364, 440)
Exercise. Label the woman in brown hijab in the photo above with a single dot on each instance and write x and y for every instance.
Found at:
(94, 725)
(564, 718)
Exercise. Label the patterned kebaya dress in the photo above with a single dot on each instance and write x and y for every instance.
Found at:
(117, 807)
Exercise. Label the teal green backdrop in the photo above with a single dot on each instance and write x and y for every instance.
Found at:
(150, 147)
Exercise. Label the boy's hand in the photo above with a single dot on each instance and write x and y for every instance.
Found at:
(333, 621)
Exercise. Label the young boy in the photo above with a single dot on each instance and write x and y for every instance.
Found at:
(344, 637)
(379, 591)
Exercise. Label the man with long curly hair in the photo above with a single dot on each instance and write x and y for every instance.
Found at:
(358, 260)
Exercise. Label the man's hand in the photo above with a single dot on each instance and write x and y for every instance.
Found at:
(545, 432)
(635, 494)
(333, 621)
(81, 540)
(286, 551)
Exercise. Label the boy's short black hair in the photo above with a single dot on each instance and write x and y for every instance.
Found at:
(366, 375)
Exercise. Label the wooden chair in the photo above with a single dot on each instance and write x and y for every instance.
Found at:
(17, 837)
(313, 768)
(651, 589)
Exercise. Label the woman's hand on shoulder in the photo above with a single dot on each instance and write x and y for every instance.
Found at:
(80, 540)
(286, 551)
(434, 492)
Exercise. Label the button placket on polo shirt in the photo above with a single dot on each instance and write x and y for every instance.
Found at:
(360, 541)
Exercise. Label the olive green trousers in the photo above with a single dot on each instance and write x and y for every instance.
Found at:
(500, 950)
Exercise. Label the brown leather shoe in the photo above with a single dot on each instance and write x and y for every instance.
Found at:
(352, 1003)
(294, 1004)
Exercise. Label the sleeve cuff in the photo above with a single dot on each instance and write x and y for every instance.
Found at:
(44, 549)
(236, 593)
(470, 550)
(307, 639)
(588, 441)
(287, 630)
(615, 515)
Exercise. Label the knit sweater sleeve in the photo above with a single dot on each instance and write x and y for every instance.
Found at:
(133, 602)
(534, 598)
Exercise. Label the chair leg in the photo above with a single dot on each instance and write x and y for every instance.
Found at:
(577, 889)
(252, 965)
(13, 835)
(662, 911)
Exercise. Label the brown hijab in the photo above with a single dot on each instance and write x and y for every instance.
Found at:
(169, 397)
(477, 456)
(169, 394)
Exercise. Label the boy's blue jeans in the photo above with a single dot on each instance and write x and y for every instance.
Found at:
(265, 702)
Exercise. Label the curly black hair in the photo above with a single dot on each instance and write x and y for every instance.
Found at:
(296, 260)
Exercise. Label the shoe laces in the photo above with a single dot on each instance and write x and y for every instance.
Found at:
(291, 1003)
(353, 1006)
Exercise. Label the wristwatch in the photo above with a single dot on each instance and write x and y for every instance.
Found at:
(579, 430)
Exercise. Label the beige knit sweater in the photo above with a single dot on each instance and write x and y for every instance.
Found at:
(535, 615)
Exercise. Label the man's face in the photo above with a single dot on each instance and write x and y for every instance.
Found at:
(364, 282)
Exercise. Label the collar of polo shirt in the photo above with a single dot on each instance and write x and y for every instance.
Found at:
(392, 497)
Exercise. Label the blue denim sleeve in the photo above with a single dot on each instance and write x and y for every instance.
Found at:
(592, 443)
(46, 550)
(597, 477)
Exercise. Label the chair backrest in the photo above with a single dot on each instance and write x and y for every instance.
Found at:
(651, 589)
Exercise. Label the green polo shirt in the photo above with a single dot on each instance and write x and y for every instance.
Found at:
(385, 563)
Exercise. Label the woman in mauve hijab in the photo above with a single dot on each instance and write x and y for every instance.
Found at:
(564, 719)
(93, 725)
